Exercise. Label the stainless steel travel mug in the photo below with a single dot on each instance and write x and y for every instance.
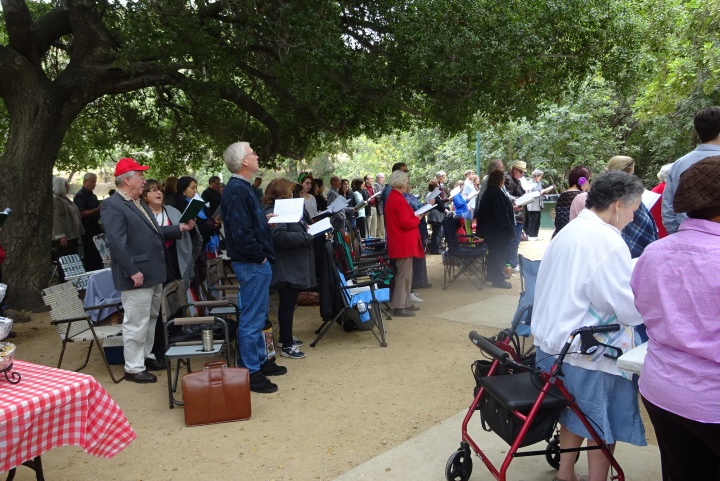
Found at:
(207, 339)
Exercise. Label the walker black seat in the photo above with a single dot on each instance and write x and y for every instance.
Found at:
(518, 392)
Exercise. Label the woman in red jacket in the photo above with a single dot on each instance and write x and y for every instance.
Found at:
(403, 242)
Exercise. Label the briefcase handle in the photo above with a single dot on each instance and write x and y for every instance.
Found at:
(214, 365)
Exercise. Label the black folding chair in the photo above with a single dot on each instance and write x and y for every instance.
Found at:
(465, 255)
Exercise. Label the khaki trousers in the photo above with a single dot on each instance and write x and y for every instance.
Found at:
(403, 283)
(142, 307)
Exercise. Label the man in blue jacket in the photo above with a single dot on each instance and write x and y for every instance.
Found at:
(250, 247)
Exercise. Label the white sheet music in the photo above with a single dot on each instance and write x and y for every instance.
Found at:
(649, 198)
(527, 198)
(288, 211)
(433, 194)
(338, 204)
(423, 209)
(320, 226)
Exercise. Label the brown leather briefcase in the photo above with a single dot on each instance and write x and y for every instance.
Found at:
(217, 394)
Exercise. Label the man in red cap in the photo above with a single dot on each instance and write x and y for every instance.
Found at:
(137, 250)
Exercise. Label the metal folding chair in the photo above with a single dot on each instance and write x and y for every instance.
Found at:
(465, 255)
(182, 346)
(366, 291)
(73, 323)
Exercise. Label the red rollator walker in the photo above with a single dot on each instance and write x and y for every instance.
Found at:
(522, 404)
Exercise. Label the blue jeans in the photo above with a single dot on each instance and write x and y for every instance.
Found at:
(254, 282)
(512, 253)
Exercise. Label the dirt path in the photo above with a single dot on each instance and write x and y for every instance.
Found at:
(348, 401)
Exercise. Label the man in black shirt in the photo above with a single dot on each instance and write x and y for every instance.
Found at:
(89, 207)
(212, 194)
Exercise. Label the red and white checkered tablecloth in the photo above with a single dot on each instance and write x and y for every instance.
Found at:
(53, 407)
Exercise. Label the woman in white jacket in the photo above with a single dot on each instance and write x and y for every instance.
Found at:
(584, 280)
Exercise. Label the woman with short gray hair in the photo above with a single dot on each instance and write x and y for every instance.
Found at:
(584, 280)
(403, 242)
(67, 226)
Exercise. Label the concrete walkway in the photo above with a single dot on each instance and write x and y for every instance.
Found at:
(423, 458)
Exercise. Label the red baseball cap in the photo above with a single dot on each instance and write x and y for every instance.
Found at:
(126, 164)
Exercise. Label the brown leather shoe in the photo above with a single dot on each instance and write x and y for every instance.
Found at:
(143, 377)
(155, 364)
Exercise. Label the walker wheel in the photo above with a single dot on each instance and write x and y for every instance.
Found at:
(552, 453)
(459, 466)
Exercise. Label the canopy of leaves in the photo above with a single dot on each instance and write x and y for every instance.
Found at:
(284, 74)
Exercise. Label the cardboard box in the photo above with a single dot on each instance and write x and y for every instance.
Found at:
(113, 347)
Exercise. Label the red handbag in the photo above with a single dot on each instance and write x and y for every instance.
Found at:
(217, 394)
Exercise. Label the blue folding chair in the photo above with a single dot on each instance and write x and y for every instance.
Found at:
(523, 314)
(351, 294)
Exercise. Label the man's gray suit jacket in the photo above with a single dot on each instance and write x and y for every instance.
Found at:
(135, 245)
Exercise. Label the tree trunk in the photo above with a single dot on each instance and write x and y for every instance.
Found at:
(37, 128)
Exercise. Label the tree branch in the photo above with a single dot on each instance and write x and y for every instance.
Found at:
(50, 28)
(92, 42)
(19, 26)
(240, 98)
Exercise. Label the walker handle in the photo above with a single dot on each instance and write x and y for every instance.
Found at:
(488, 347)
(598, 329)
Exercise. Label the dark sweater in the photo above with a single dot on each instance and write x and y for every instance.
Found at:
(247, 235)
(495, 218)
(295, 260)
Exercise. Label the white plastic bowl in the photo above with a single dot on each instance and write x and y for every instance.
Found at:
(7, 354)
(5, 327)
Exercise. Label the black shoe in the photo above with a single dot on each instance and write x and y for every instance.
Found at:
(155, 364)
(423, 286)
(270, 368)
(502, 285)
(412, 308)
(143, 377)
(403, 313)
(261, 384)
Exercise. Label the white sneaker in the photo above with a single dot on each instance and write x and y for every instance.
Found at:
(516, 269)
(414, 297)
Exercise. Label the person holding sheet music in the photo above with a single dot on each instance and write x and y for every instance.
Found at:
(181, 252)
(514, 188)
(186, 191)
(317, 192)
(359, 197)
(403, 242)
(306, 180)
(294, 267)
(461, 208)
(495, 224)
(339, 217)
(419, 276)
(250, 247)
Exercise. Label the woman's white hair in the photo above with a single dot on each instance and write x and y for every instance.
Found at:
(58, 187)
(664, 171)
(235, 154)
(537, 173)
(398, 179)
